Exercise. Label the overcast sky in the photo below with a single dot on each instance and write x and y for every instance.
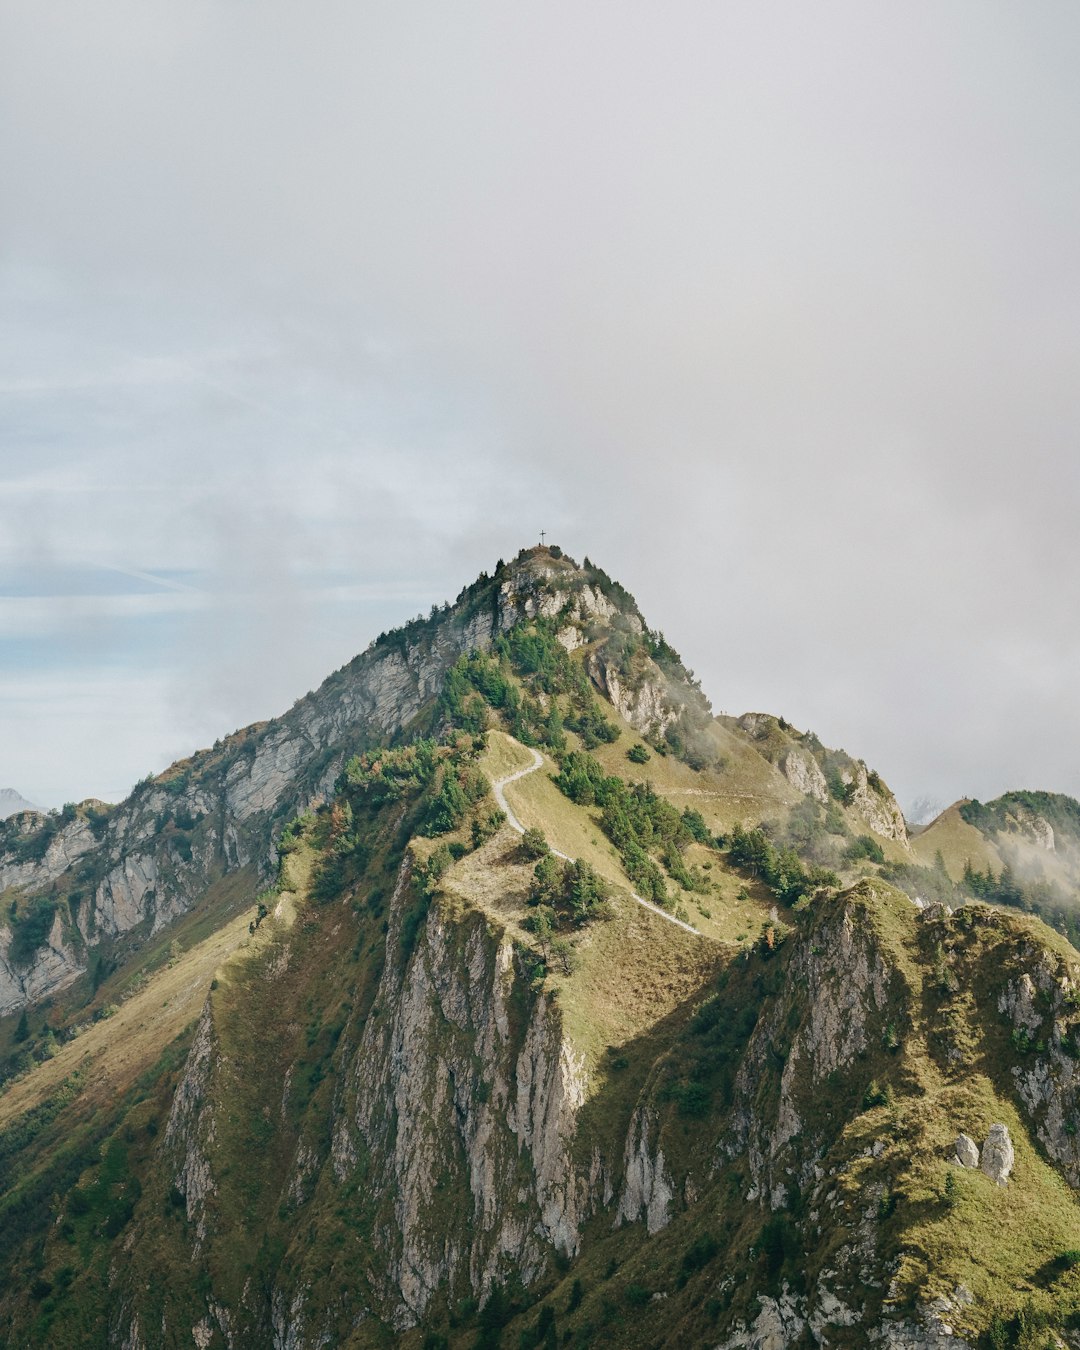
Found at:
(308, 312)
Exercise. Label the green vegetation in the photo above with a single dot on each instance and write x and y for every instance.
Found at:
(534, 845)
(753, 853)
(1005, 813)
(523, 678)
(639, 823)
(565, 894)
(415, 979)
(864, 847)
(31, 923)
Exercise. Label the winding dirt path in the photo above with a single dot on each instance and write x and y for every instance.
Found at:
(499, 786)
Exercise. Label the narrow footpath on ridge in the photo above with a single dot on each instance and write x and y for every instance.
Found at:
(499, 786)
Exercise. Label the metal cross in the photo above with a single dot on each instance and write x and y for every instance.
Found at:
(543, 536)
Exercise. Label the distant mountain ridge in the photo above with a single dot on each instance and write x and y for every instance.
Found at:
(12, 802)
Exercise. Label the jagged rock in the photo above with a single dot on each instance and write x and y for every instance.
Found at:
(842, 981)
(830, 1312)
(879, 809)
(647, 705)
(71, 842)
(997, 1155)
(52, 967)
(935, 910)
(966, 1151)
(779, 1324)
(647, 1190)
(191, 1128)
(449, 1088)
(1017, 1002)
(804, 774)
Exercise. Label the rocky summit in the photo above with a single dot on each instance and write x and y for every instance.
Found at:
(501, 994)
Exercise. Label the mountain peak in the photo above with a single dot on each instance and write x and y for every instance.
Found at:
(12, 802)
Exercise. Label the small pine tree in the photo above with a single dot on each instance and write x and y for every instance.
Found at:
(534, 845)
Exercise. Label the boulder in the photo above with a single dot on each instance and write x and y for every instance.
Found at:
(997, 1155)
(966, 1150)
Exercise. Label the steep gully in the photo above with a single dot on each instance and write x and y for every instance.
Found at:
(498, 788)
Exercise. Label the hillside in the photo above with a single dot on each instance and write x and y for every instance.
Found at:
(499, 994)
(1020, 850)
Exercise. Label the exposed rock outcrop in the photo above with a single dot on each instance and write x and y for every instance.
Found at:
(53, 966)
(646, 705)
(877, 806)
(71, 841)
(191, 1129)
(647, 1191)
(452, 1105)
(1038, 1002)
(997, 1155)
(843, 985)
(778, 1324)
(804, 774)
(966, 1151)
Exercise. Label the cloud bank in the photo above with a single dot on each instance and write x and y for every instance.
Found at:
(307, 314)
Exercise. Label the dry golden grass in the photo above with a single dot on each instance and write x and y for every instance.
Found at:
(539, 804)
(744, 791)
(503, 755)
(112, 1053)
(635, 969)
(575, 831)
(957, 842)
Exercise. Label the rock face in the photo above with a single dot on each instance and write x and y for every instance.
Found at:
(190, 1132)
(647, 1191)
(878, 807)
(804, 774)
(966, 1151)
(70, 842)
(845, 988)
(778, 1325)
(646, 705)
(1037, 1001)
(453, 1106)
(997, 1155)
(53, 966)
